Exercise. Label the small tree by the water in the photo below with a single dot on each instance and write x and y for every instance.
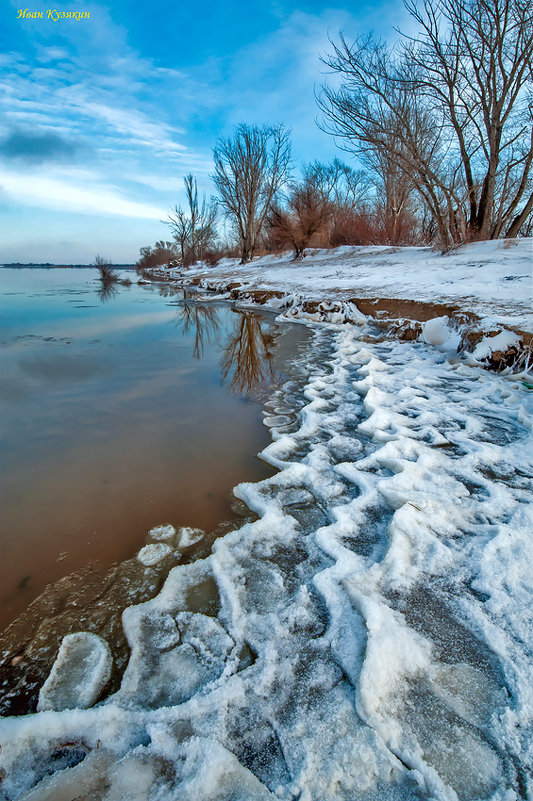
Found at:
(108, 274)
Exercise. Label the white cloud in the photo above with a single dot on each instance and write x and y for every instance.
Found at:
(46, 191)
(135, 125)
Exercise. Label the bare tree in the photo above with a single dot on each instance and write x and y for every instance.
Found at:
(194, 228)
(315, 205)
(308, 209)
(473, 61)
(250, 169)
(450, 109)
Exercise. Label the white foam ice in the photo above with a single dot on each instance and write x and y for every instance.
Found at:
(367, 637)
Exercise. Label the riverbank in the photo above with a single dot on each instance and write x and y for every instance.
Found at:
(481, 294)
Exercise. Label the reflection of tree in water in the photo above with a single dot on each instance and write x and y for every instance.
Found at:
(247, 355)
(107, 290)
(204, 321)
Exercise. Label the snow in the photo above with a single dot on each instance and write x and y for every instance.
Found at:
(80, 672)
(489, 345)
(368, 636)
(494, 280)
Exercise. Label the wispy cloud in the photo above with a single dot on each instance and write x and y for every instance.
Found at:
(47, 191)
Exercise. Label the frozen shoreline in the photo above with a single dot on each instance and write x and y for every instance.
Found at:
(368, 636)
(483, 291)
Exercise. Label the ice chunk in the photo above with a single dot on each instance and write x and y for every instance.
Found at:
(79, 674)
(162, 532)
(212, 773)
(133, 778)
(91, 774)
(152, 554)
(189, 536)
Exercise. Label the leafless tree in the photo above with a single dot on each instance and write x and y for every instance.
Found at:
(450, 108)
(307, 211)
(314, 205)
(194, 228)
(250, 169)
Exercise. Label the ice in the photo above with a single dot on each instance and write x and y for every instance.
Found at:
(64, 785)
(79, 674)
(162, 532)
(189, 536)
(212, 773)
(367, 636)
(153, 553)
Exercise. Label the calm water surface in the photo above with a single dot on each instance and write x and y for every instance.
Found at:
(119, 413)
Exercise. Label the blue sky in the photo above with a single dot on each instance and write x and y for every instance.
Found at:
(101, 117)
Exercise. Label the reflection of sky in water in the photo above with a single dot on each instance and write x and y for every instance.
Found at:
(120, 409)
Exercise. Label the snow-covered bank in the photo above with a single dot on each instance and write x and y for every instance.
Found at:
(369, 637)
(484, 287)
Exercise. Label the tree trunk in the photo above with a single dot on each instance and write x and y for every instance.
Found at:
(520, 219)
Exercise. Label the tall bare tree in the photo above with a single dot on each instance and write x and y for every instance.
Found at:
(451, 108)
(194, 228)
(250, 169)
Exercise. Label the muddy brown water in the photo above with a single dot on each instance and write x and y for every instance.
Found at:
(121, 412)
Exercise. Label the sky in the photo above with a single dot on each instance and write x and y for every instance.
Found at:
(101, 117)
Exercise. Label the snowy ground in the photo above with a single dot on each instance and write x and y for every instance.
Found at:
(368, 637)
(494, 280)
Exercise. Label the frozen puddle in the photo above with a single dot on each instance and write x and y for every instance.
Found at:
(368, 638)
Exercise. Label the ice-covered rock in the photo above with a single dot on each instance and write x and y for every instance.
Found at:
(153, 553)
(79, 674)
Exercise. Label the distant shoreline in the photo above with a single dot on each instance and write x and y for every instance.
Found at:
(65, 266)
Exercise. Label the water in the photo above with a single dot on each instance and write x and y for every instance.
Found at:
(118, 413)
